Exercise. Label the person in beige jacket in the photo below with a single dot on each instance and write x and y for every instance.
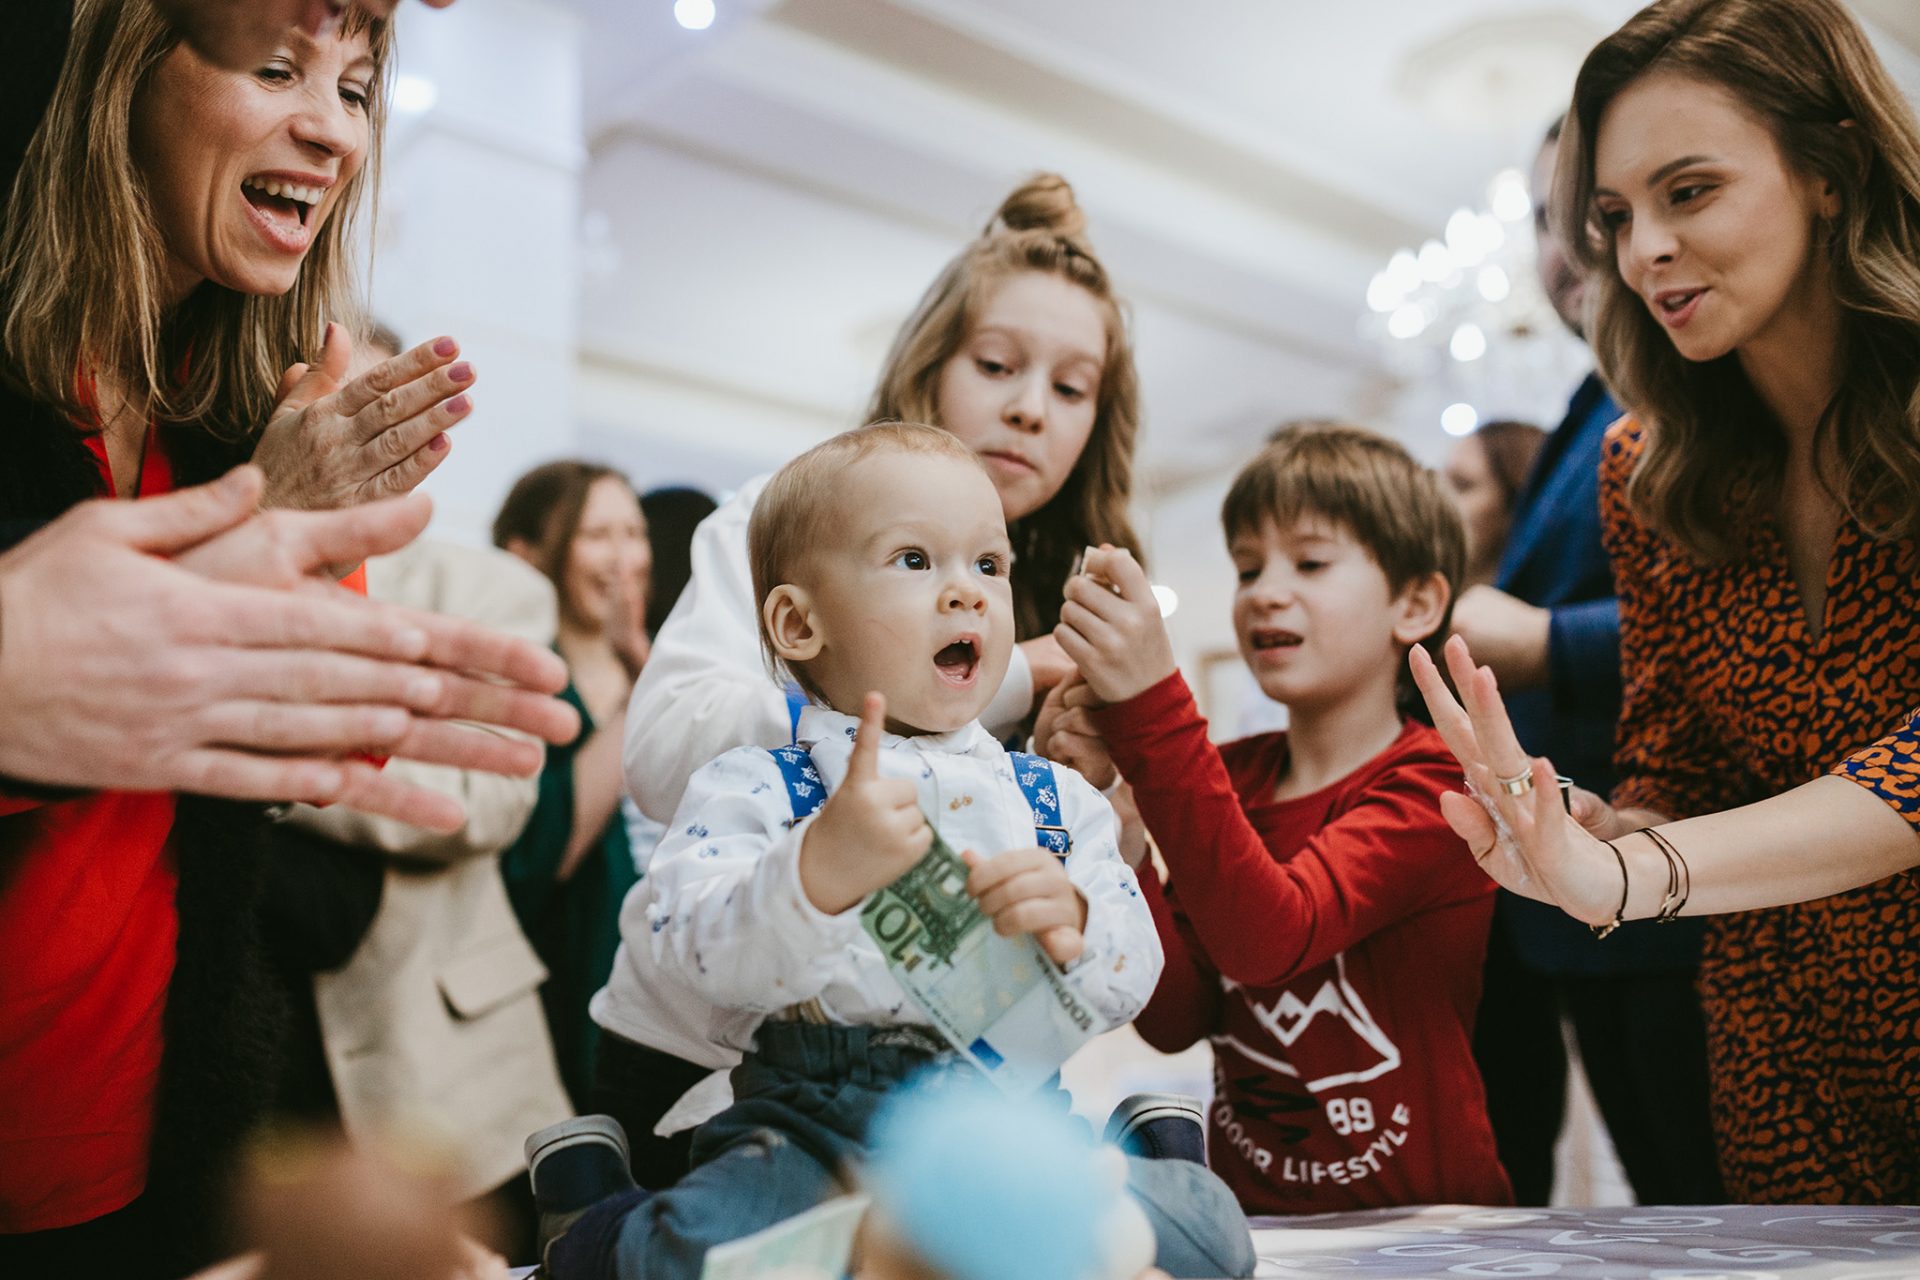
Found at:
(433, 1029)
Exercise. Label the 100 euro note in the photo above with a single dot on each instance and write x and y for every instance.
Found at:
(1000, 1002)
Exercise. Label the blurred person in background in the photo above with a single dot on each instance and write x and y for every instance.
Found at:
(580, 524)
(1549, 625)
(414, 993)
(672, 514)
(1485, 472)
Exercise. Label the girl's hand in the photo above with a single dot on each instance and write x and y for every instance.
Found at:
(1527, 842)
(1047, 664)
(869, 832)
(1027, 891)
(334, 442)
(1065, 732)
(1114, 634)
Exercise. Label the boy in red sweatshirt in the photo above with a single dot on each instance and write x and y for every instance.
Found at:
(1323, 926)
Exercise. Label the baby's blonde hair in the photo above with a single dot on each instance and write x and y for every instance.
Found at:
(796, 511)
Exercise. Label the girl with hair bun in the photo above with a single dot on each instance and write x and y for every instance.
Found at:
(1020, 348)
(1743, 178)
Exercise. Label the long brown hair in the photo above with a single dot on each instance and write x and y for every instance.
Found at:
(1804, 68)
(82, 260)
(543, 510)
(1039, 227)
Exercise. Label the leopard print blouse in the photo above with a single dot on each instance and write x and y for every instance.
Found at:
(1813, 1010)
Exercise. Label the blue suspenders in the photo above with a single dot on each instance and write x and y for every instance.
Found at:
(1035, 776)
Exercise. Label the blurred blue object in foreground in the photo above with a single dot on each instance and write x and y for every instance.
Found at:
(987, 1187)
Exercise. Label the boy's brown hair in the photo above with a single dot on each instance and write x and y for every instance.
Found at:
(796, 511)
(1371, 487)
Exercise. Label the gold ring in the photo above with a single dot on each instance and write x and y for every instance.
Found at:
(1519, 784)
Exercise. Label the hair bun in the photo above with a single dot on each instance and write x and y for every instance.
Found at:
(1043, 202)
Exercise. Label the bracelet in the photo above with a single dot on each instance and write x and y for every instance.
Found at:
(1679, 877)
(1620, 915)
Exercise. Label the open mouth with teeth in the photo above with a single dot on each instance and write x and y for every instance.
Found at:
(287, 205)
(959, 662)
(1677, 308)
(1267, 639)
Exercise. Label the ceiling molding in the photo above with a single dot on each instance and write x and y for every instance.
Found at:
(946, 43)
(1308, 343)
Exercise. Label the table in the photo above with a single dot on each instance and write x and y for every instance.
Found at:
(1724, 1242)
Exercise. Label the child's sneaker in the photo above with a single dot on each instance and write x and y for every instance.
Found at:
(574, 1165)
(1159, 1126)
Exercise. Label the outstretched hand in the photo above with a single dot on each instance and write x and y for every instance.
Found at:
(1529, 843)
(334, 441)
(181, 643)
(869, 832)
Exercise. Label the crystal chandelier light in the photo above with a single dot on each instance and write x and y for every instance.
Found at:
(1464, 325)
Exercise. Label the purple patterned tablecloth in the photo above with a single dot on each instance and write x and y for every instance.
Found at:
(1724, 1242)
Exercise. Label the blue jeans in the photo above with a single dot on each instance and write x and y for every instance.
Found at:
(805, 1097)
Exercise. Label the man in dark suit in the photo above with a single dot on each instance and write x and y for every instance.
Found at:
(1550, 629)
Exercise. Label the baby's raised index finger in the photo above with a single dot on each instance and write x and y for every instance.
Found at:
(397, 372)
(864, 764)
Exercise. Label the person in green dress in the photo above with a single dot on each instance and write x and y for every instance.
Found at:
(581, 525)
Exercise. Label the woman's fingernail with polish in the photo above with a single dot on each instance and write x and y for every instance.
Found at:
(439, 443)
(462, 372)
(459, 404)
(446, 347)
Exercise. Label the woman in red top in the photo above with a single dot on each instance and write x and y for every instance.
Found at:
(1754, 176)
(176, 233)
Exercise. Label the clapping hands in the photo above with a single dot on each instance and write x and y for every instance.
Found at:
(334, 441)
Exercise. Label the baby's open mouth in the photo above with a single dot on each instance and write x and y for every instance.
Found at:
(959, 662)
(283, 201)
(1274, 638)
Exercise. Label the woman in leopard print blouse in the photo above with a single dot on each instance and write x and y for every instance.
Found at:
(1752, 178)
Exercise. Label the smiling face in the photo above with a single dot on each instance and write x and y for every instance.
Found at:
(244, 167)
(1711, 229)
(1023, 390)
(1315, 617)
(609, 546)
(910, 594)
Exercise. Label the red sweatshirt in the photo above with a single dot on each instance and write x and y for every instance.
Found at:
(1330, 947)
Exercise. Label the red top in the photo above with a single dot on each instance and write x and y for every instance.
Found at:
(87, 929)
(1330, 947)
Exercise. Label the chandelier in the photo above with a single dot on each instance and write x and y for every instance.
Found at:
(1464, 326)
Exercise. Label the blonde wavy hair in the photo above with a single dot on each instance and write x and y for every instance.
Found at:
(1039, 227)
(82, 261)
(1804, 68)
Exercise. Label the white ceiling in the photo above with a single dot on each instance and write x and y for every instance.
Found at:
(767, 198)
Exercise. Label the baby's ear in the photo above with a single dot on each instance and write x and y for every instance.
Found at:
(1421, 607)
(788, 613)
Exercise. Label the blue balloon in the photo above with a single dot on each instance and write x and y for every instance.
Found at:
(985, 1187)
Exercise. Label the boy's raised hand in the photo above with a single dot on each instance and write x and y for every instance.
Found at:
(1027, 891)
(869, 832)
(1114, 633)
